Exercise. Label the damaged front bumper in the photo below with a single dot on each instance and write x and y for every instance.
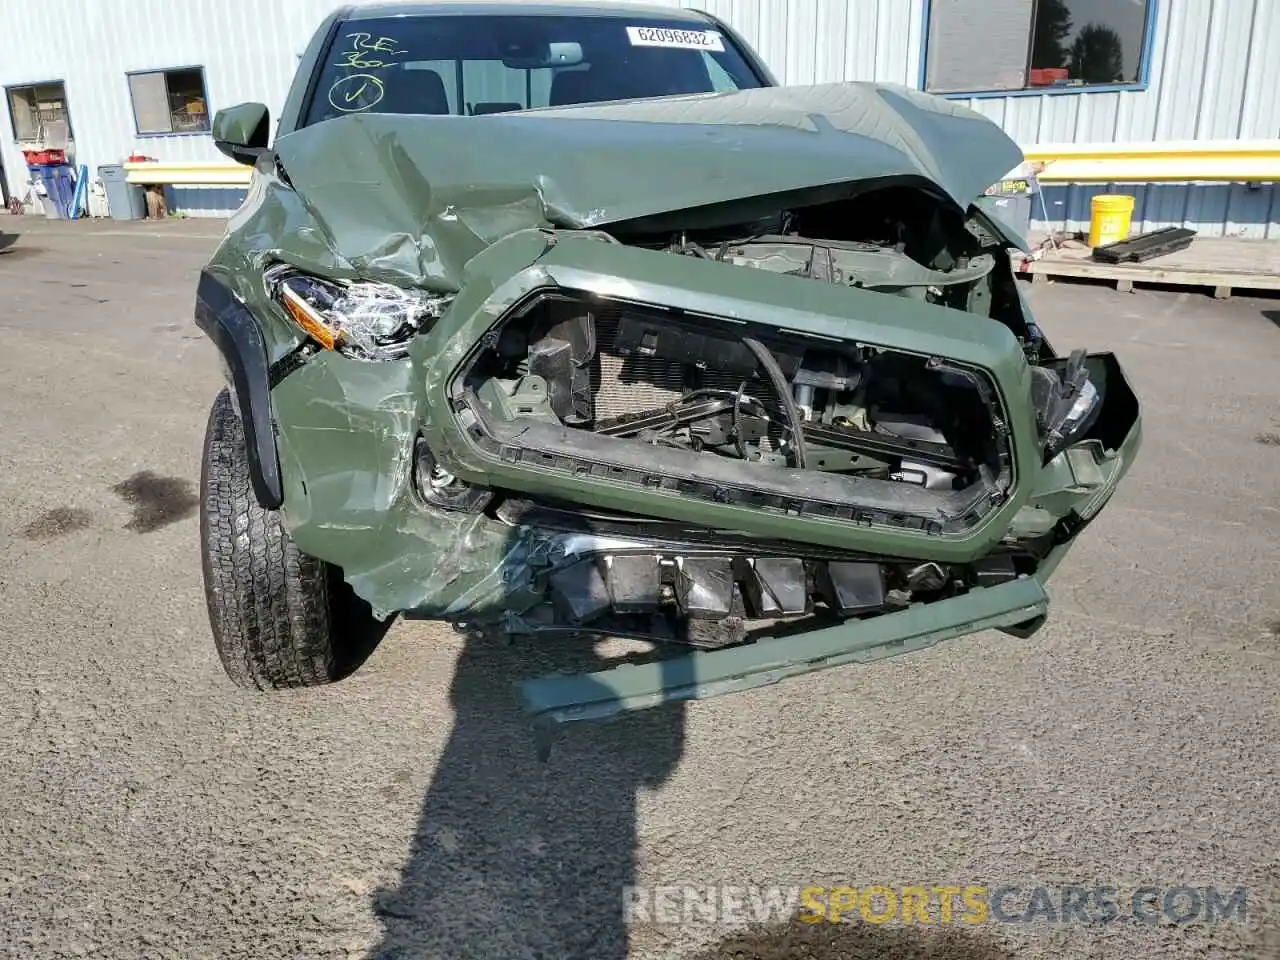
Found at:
(348, 431)
(1074, 487)
(704, 674)
(1017, 607)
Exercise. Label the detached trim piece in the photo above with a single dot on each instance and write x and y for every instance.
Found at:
(235, 332)
(1146, 246)
(707, 674)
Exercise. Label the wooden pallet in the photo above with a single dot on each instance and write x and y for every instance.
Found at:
(1223, 264)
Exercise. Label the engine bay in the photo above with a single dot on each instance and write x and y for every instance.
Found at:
(753, 414)
(626, 372)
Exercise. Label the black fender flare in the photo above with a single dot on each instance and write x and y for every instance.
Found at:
(226, 321)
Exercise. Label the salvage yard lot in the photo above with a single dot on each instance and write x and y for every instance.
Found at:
(150, 808)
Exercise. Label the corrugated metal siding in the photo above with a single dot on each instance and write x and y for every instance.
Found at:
(1214, 75)
(820, 41)
(248, 50)
(1211, 78)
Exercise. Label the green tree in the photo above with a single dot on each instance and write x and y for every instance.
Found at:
(1097, 56)
(1053, 26)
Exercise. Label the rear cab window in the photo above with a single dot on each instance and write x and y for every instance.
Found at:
(472, 65)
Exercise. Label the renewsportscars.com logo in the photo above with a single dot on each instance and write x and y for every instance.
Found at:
(941, 903)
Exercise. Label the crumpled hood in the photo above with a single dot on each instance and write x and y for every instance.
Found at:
(415, 197)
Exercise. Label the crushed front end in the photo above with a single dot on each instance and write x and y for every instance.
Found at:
(747, 375)
(777, 474)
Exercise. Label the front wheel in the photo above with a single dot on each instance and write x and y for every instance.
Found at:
(280, 618)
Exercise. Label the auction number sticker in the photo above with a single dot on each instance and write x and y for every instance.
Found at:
(680, 39)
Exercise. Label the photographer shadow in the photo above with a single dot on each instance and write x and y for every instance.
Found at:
(513, 857)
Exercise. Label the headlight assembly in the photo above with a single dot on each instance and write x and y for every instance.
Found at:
(1067, 403)
(357, 318)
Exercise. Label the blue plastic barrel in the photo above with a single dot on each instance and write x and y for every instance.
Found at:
(60, 184)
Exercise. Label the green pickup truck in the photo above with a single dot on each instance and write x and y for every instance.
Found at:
(568, 318)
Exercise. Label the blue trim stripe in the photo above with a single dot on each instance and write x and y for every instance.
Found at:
(924, 45)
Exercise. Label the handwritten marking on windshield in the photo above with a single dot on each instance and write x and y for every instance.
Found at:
(356, 92)
(355, 60)
(358, 57)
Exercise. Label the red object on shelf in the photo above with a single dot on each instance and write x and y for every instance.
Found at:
(1048, 76)
(44, 158)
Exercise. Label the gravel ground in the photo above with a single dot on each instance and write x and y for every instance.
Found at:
(150, 809)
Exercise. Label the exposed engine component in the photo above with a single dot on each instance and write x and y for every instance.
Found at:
(625, 372)
(886, 269)
(656, 398)
(438, 487)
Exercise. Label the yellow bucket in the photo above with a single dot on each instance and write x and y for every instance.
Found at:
(1109, 220)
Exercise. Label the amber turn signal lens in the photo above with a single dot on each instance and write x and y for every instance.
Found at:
(306, 318)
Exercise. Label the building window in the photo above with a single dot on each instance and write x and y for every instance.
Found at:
(169, 101)
(978, 46)
(38, 112)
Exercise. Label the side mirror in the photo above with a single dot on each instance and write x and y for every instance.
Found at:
(242, 131)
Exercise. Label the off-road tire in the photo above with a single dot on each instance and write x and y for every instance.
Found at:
(280, 618)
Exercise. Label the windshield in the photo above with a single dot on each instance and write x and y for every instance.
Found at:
(473, 65)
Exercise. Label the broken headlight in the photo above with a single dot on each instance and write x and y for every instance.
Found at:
(357, 318)
(1066, 403)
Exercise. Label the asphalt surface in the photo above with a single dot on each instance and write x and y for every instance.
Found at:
(148, 808)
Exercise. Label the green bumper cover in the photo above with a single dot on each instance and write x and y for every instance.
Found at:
(698, 676)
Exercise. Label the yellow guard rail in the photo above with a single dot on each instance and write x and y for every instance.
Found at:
(1223, 161)
(215, 174)
(1187, 161)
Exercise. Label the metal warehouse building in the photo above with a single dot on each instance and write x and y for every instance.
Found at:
(144, 77)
